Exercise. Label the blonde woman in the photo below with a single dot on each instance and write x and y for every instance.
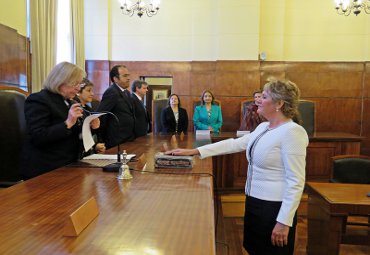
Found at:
(53, 122)
(276, 152)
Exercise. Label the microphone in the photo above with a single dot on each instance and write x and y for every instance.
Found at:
(113, 167)
(79, 121)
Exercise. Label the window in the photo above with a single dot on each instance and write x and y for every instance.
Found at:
(64, 33)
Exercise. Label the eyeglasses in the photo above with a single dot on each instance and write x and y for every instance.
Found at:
(77, 84)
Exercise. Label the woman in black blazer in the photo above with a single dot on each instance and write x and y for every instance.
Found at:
(174, 119)
(53, 122)
(85, 97)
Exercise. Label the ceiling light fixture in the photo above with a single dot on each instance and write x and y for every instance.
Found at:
(150, 7)
(345, 7)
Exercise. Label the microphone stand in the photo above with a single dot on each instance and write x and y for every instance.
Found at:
(114, 167)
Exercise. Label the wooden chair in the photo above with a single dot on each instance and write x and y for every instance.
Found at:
(199, 102)
(157, 106)
(12, 133)
(352, 169)
(307, 111)
(243, 107)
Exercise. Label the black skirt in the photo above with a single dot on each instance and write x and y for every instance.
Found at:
(259, 221)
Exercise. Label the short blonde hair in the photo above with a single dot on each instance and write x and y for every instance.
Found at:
(63, 73)
(288, 92)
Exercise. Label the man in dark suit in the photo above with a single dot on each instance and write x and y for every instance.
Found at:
(117, 99)
(143, 124)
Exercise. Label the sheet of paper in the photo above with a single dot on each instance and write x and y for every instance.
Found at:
(107, 156)
(87, 137)
(203, 134)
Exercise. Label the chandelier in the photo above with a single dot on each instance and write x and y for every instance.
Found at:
(345, 7)
(150, 7)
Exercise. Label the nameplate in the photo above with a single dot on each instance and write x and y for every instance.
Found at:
(81, 218)
(203, 134)
(241, 133)
(141, 163)
(182, 135)
(173, 139)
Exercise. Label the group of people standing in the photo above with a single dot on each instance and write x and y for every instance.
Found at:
(54, 117)
(275, 148)
(207, 115)
(132, 117)
(276, 153)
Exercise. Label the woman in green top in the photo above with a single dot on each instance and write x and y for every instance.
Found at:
(208, 116)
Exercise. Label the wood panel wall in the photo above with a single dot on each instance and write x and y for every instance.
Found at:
(341, 90)
(15, 59)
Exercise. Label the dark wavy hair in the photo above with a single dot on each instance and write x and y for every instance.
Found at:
(85, 83)
(213, 97)
(169, 99)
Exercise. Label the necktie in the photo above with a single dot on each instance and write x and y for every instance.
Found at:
(143, 104)
(126, 92)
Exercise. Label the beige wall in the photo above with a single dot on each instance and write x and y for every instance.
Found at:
(208, 30)
(294, 30)
(181, 31)
(13, 14)
(287, 30)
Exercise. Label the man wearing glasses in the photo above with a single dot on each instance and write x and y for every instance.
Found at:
(116, 99)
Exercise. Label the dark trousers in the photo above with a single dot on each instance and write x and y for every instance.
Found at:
(259, 221)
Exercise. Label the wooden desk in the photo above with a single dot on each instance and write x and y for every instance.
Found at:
(231, 170)
(328, 206)
(150, 214)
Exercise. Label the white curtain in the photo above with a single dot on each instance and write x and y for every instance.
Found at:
(43, 43)
(77, 32)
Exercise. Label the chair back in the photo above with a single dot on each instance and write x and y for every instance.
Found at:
(199, 102)
(351, 169)
(157, 106)
(12, 133)
(243, 106)
(307, 110)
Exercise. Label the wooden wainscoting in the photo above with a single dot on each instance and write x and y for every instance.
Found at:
(341, 90)
(15, 64)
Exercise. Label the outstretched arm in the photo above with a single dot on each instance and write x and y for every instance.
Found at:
(183, 152)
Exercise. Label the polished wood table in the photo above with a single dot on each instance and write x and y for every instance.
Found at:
(231, 169)
(329, 204)
(156, 212)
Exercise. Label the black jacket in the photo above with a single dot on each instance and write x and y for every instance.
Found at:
(169, 123)
(120, 104)
(143, 125)
(49, 143)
